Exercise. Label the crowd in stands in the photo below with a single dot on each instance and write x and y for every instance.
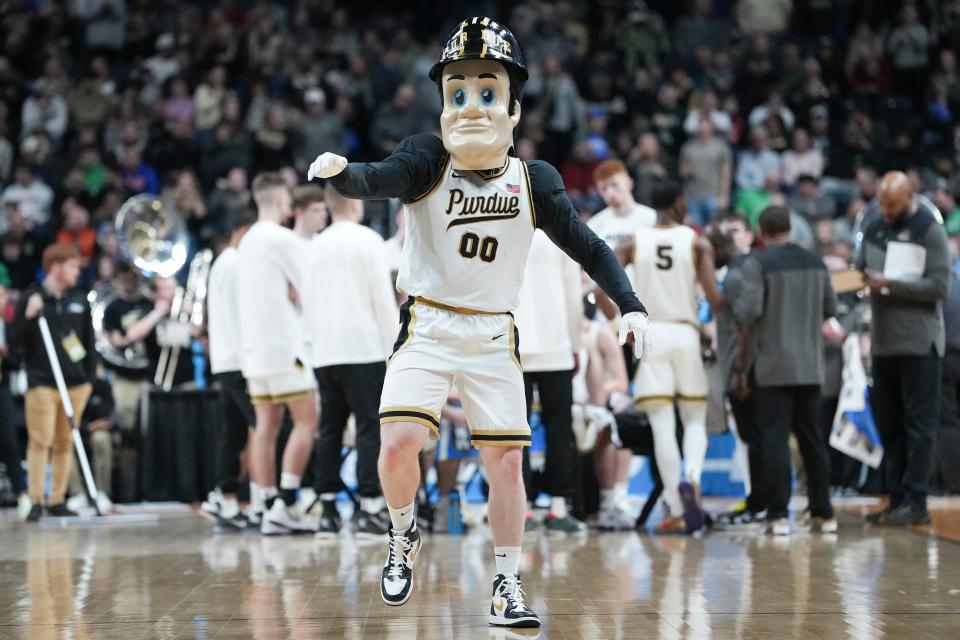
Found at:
(746, 102)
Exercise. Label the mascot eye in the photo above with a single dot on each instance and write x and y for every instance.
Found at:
(488, 96)
(459, 97)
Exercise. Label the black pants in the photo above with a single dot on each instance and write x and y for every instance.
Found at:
(346, 388)
(778, 411)
(236, 419)
(947, 443)
(749, 431)
(9, 445)
(556, 402)
(906, 407)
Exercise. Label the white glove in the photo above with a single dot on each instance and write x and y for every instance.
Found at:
(639, 325)
(326, 166)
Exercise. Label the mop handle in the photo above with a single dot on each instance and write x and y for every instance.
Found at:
(55, 365)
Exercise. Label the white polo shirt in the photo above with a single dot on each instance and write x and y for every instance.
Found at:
(615, 228)
(551, 308)
(348, 298)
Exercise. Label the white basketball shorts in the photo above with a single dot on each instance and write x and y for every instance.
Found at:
(440, 345)
(298, 382)
(675, 368)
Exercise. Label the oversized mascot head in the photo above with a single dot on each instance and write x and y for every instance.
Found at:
(480, 75)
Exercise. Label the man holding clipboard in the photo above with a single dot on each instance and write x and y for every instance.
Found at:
(904, 260)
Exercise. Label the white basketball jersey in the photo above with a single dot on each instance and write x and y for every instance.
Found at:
(467, 239)
(665, 273)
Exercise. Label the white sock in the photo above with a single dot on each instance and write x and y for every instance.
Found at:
(620, 491)
(608, 498)
(558, 506)
(402, 518)
(664, 425)
(289, 481)
(372, 505)
(328, 497)
(694, 416)
(229, 507)
(508, 560)
(256, 497)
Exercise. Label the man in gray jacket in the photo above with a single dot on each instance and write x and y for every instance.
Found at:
(785, 297)
(904, 258)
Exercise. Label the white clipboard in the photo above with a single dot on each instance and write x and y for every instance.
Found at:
(905, 261)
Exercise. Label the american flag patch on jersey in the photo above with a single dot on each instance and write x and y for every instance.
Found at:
(513, 188)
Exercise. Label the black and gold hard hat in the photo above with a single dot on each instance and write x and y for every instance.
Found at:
(482, 39)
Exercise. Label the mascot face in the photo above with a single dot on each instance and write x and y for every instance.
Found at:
(476, 125)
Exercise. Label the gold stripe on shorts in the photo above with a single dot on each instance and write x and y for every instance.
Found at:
(644, 399)
(514, 352)
(410, 414)
(500, 438)
(691, 398)
(464, 310)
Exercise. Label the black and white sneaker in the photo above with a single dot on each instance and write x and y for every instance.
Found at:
(330, 521)
(210, 508)
(396, 583)
(369, 525)
(507, 609)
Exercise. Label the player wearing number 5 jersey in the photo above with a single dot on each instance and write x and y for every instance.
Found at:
(471, 211)
(668, 261)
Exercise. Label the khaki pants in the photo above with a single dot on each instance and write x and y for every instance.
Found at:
(49, 438)
(126, 400)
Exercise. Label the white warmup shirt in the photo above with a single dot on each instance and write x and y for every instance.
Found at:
(615, 228)
(223, 313)
(348, 300)
(551, 308)
(271, 336)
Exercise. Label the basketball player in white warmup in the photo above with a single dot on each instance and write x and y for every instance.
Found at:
(667, 263)
(472, 209)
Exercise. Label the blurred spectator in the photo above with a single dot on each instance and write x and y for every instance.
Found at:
(44, 112)
(774, 106)
(88, 107)
(20, 248)
(394, 121)
(710, 108)
(705, 165)
(208, 99)
(320, 130)
(163, 65)
(801, 159)
(763, 16)
(32, 194)
(272, 149)
(76, 231)
(809, 202)
(185, 198)
(649, 167)
(179, 105)
(137, 176)
(756, 163)
(909, 47)
(561, 109)
(229, 199)
(577, 172)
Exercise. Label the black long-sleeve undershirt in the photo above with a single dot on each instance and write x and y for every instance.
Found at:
(417, 164)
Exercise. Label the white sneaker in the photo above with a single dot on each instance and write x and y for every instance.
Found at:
(24, 504)
(78, 503)
(253, 516)
(210, 508)
(615, 519)
(820, 525)
(104, 503)
(778, 527)
(283, 520)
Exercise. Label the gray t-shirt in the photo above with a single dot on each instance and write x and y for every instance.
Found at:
(705, 160)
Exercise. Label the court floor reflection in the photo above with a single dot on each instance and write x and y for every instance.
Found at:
(179, 580)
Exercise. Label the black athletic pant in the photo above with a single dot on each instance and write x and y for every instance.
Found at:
(236, 419)
(947, 444)
(556, 402)
(9, 446)
(906, 407)
(346, 388)
(780, 410)
(749, 431)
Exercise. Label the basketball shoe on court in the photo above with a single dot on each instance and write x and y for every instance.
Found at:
(281, 519)
(396, 582)
(693, 515)
(330, 521)
(507, 609)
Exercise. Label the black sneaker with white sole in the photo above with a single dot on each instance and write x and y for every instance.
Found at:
(396, 583)
(330, 521)
(507, 609)
(369, 525)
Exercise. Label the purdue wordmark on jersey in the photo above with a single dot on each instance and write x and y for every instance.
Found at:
(468, 239)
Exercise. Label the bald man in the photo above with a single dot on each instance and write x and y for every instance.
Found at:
(905, 263)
